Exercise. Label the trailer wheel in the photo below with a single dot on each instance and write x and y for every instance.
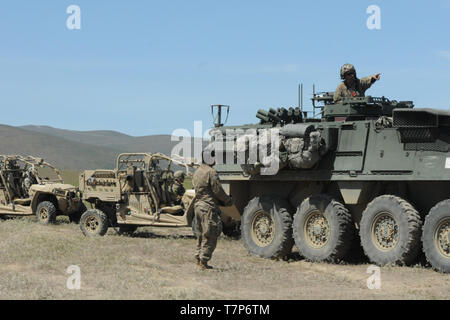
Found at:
(46, 212)
(390, 231)
(436, 236)
(323, 229)
(127, 229)
(94, 223)
(266, 227)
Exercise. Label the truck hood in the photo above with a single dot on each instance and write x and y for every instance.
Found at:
(51, 186)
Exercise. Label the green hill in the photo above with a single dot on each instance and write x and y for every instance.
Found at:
(112, 139)
(75, 150)
(63, 153)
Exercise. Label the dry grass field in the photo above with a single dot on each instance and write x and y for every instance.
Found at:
(157, 263)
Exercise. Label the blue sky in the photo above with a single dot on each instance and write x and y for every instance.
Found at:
(150, 67)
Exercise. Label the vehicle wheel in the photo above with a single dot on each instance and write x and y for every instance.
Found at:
(390, 231)
(436, 236)
(76, 216)
(323, 229)
(266, 227)
(94, 223)
(127, 229)
(46, 212)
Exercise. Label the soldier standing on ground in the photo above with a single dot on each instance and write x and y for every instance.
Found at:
(352, 86)
(209, 195)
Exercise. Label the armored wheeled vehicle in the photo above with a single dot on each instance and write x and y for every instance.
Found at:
(29, 185)
(135, 194)
(365, 171)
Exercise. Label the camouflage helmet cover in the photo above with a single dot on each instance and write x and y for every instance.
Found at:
(178, 174)
(347, 68)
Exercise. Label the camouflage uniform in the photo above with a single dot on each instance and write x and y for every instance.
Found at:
(209, 195)
(357, 90)
(177, 191)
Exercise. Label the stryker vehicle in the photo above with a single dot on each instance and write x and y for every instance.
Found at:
(136, 193)
(25, 191)
(367, 170)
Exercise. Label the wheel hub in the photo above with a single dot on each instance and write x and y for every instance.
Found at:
(43, 213)
(91, 224)
(385, 232)
(443, 238)
(317, 230)
(263, 229)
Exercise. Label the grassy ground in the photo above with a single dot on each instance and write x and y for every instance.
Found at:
(157, 263)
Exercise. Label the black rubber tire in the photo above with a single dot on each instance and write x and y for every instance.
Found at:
(94, 223)
(76, 216)
(341, 229)
(278, 210)
(46, 212)
(127, 229)
(409, 227)
(437, 215)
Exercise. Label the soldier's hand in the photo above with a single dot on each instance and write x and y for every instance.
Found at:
(376, 77)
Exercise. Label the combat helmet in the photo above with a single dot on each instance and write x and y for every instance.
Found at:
(178, 174)
(347, 68)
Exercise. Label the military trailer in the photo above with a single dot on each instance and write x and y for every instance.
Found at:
(136, 193)
(366, 171)
(29, 185)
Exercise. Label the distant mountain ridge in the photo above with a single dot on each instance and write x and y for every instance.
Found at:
(76, 150)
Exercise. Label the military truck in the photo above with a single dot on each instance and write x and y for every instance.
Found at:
(365, 171)
(29, 185)
(135, 194)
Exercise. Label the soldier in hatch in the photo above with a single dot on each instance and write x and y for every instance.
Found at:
(352, 86)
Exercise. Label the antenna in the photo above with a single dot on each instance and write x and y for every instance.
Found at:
(314, 101)
(300, 96)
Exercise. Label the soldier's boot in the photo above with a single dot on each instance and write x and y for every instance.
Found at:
(198, 261)
(204, 265)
